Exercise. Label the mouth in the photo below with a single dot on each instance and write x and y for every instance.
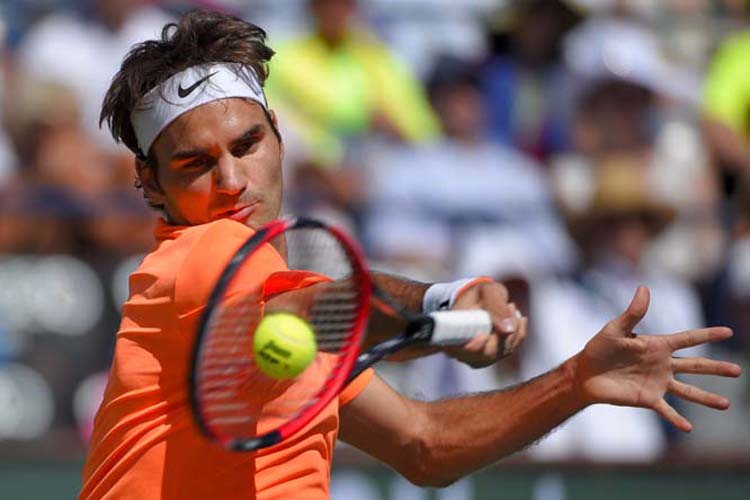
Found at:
(238, 214)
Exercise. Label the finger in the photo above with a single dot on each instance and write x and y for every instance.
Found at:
(634, 313)
(696, 395)
(509, 322)
(705, 366)
(490, 349)
(477, 343)
(481, 293)
(495, 293)
(495, 300)
(692, 338)
(670, 415)
(517, 339)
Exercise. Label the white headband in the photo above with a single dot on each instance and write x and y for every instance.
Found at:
(187, 90)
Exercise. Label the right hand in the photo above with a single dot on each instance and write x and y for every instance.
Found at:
(509, 326)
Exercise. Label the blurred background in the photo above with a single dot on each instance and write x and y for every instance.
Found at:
(569, 148)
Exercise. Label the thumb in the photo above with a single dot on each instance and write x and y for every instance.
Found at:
(635, 312)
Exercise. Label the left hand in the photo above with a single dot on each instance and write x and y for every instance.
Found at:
(620, 368)
(509, 326)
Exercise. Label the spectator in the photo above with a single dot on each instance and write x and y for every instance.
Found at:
(632, 101)
(428, 203)
(339, 83)
(727, 105)
(727, 126)
(524, 80)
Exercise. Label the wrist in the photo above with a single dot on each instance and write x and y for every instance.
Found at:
(442, 296)
(573, 373)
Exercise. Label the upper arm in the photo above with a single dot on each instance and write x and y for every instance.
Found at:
(385, 425)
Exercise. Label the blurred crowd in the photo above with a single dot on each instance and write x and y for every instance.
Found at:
(572, 149)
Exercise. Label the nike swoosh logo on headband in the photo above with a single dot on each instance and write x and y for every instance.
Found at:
(184, 92)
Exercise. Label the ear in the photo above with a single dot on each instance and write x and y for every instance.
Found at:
(147, 177)
(275, 124)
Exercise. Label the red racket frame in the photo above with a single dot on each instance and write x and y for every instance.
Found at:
(349, 356)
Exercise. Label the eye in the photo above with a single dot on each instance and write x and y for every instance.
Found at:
(246, 146)
(198, 163)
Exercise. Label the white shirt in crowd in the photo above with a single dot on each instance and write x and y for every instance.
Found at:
(84, 55)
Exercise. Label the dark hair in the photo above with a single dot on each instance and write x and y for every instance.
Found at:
(449, 72)
(200, 37)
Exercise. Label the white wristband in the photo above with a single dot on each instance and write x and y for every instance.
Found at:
(441, 296)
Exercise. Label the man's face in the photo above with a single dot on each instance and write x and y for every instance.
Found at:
(114, 13)
(461, 111)
(333, 17)
(220, 160)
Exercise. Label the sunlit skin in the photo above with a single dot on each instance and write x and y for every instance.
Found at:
(219, 160)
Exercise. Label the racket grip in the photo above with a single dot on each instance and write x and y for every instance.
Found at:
(458, 327)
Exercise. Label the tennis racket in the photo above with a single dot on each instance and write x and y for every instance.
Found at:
(327, 283)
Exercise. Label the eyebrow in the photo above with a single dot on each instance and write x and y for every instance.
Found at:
(192, 153)
(249, 134)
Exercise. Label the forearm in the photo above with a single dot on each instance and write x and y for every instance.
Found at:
(383, 324)
(404, 291)
(462, 435)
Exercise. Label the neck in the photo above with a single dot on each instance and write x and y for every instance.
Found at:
(466, 138)
(332, 41)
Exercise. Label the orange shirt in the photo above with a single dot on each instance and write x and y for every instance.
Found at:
(145, 444)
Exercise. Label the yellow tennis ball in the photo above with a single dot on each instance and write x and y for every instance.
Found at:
(284, 345)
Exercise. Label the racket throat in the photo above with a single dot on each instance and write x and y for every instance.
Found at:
(419, 329)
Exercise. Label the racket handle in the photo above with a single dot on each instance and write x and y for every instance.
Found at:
(458, 327)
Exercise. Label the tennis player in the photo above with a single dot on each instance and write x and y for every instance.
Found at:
(208, 156)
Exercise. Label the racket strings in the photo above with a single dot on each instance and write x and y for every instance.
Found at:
(227, 364)
(334, 311)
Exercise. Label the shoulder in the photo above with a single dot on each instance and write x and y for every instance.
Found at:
(175, 243)
(367, 46)
(197, 251)
(215, 237)
(732, 58)
(737, 45)
(207, 250)
(295, 48)
(304, 52)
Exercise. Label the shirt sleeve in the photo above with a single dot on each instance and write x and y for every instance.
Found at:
(401, 97)
(355, 387)
(727, 90)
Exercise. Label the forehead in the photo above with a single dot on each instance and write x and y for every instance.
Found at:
(210, 123)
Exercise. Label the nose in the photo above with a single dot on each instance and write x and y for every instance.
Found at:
(229, 177)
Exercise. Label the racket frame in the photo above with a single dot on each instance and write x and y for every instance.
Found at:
(350, 355)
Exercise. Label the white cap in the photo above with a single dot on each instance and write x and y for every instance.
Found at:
(626, 50)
